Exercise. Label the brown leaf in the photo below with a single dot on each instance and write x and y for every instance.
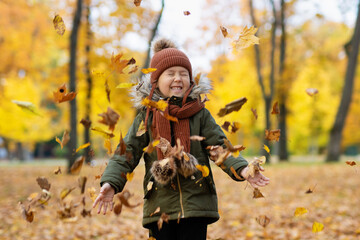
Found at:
(59, 24)
(110, 118)
(226, 126)
(310, 190)
(232, 106)
(61, 96)
(263, 220)
(235, 173)
(133, 69)
(85, 122)
(275, 108)
(77, 165)
(57, 171)
(118, 64)
(254, 166)
(257, 193)
(121, 149)
(137, 2)
(124, 197)
(85, 213)
(272, 135)
(26, 213)
(107, 90)
(186, 13)
(351, 163)
(157, 210)
(224, 31)
(82, 182)
(231, 148)
(163, 218)
(255, 113)
(118, 208)
(43, 183)
(65, 139)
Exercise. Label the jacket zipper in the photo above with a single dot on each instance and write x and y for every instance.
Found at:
(181, 202)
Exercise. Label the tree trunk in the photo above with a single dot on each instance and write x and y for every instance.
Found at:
(87, 138)
(334, 146)
(283, 151)
(72, 83)
(20, 154)
(153, 34)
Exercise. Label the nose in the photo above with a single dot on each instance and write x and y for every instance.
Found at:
(177, 77)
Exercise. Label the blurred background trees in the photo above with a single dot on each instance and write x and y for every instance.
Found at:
(296, 52)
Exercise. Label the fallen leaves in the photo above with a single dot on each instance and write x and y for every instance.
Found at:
(232, 106)
(317, 227)
(61, 94)
(263, 220)
(59, 24)
(246, 38)
(299, 211)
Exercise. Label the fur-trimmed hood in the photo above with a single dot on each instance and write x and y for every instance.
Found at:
(142, 90)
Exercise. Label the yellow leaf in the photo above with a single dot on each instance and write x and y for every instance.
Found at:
(107, 145)
(117, 64)
(65, 192)
(300, 211)
(160, 105)
(204, 170)
(59, 141)
(28, 106)
(130, 176)
(82, 146)
(141, 130)
(59, 24)
(317, 227)
(103, 133)
(148, 70)
(125, 85)
(246, 38)
(77, 165)
(267, 149)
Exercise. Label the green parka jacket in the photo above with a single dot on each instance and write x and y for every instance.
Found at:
(194, 196)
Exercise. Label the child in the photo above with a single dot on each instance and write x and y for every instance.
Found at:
(172, 180)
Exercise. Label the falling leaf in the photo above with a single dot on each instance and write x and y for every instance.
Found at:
(203, 169)
(85, 122)
(254, 166)
(197, 78)
(231, 148)
(246, 38)
(107, 90)
(61, 96)
(186, 13)
(82, 147)
(150, 148)
(107, 145)
(141, 130)
(234, 126)
(232, 106)
(235, 173)
(121, 149)
(130, 176)
(300, 211)
(317, 227)
(103, 133)
(57, 171)
(163, 218)
(110, 118)
(275, 108)
(65, 192)
(43, 183)
(160, 105)
(257, 193)
(28, 106)
(157, 210)
(272, 135)
(149, 185)
(226, 126)
(125, 85)
(59, 24)
(124, 197)
(27, 214)
(117, 64)
(118, 208)
(197, 138)
(351, 163)
(267, 149)
(263, 220)
(137, 2)
(148, 70)
(224, 31)
(77, 165)
(65, 139)
(92, 193)
(310, 190)
(312, 91)
(133, 69)
(254, 113)
(82, 182)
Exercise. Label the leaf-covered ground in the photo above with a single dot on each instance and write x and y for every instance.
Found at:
(334, 202)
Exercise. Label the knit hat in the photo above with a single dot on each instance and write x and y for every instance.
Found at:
(166, 55)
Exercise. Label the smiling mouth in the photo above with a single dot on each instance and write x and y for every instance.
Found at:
(176, 88)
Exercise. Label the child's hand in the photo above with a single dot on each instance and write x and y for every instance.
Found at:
(105, 198)
(258, 180)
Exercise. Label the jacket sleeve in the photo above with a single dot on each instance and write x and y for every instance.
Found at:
(215, 136)
(119, 165)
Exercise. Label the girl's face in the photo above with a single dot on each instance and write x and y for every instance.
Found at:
(174, 81)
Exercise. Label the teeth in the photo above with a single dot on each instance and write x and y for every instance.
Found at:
(177, 88)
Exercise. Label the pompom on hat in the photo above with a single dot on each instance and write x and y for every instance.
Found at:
(166, 55)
